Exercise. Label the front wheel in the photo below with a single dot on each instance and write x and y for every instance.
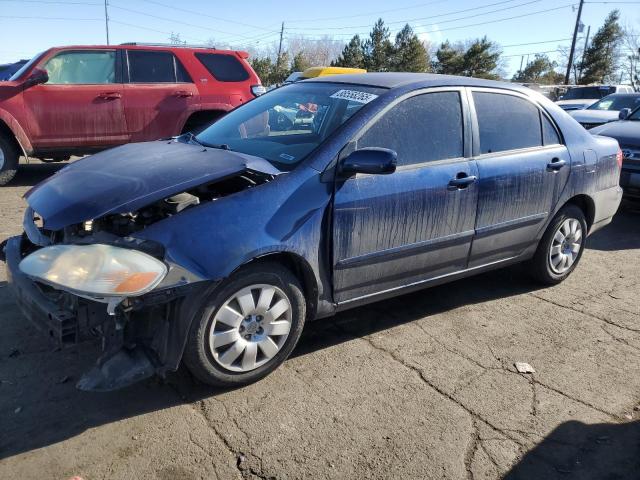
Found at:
(8, 160)
(248, 327)
(561, 246)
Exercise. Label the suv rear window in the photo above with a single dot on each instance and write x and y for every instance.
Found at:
(224, 68)
(155, 67)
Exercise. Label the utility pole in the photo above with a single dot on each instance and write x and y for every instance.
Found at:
(521, 62)
(106, 19)
(586, 44)
(573, 43)
(280, 46)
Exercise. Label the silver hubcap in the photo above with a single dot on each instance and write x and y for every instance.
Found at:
(565, 246)
(250, 328)
(1, 159)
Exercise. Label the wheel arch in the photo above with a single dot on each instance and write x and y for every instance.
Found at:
(300, 268)
(587, 205)
(10, 128)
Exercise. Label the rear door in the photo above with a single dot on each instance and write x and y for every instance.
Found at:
(81, 104)
(393, 230)
(159, 96)
(523, 167)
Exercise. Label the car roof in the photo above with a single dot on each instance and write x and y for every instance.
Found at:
(160, 47)
(420, 80)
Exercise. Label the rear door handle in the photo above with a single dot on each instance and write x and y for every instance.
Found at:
(110, 95)
(183, 93)
(462, 181)
(556, 164)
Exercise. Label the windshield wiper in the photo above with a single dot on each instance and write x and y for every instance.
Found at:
(220, 146)
(190, 137)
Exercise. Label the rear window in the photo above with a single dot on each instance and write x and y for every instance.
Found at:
(224, 68)
(155, 67)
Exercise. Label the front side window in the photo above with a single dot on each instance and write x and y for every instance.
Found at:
(286, 124)
(420, 129)
(82, 67)
(506, 122)
(151, 67)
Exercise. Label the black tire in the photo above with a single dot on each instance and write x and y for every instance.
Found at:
(541, 268)
(198, 357)
(9, 164)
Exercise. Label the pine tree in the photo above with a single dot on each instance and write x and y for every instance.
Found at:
(449, 59)
(352, 54)
(409, 52)
(263, 67)
(540, 70)
(378, 50)
(300, 63)
(601, 57)
(481, 59)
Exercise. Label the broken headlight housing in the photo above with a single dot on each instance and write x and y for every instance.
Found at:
(100, 271)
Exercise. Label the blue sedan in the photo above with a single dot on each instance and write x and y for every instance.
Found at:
(215, 249)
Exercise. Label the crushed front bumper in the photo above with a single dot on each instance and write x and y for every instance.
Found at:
(148, 337)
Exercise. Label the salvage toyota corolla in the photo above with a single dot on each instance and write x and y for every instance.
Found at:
(216, 248)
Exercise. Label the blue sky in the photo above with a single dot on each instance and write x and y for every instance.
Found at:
(29, 26)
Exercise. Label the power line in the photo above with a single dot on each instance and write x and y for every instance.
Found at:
(431, 17)
(36, 17)
(52, 2)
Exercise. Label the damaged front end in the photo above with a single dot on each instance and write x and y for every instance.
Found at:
(79, 280)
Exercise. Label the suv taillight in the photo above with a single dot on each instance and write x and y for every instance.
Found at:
(258, 90)
(619, 158)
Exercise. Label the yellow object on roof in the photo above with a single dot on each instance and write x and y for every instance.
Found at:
(313, 72)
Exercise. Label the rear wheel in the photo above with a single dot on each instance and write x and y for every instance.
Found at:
(561, 246)
(8, 160)
(248, 327)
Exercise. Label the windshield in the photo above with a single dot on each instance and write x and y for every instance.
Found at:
(25, 67)
(286, 124)
(586, 93)
(616, 102)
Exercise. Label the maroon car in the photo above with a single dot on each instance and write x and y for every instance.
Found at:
(81, 99)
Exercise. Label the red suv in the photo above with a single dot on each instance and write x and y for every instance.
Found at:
(80, 99)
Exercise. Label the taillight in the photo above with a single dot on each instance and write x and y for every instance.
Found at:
(619, 158)
(258, 90)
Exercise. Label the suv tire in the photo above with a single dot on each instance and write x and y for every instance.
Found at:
(247, 327)
(561, 247)
(8, 160)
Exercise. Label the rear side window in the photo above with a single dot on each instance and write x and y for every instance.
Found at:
(82, 67)
(420, 129)
(549, 133)
(506, 122)
(224, 68)
(155, 67)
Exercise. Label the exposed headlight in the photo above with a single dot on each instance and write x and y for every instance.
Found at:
(95, 270)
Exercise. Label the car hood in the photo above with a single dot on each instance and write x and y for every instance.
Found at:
(627, 132)
(594, 116)
(127, 178)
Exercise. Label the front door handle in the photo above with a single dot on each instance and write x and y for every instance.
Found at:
(462, 180)
(183, 93)
(556, 164)
(110, 95)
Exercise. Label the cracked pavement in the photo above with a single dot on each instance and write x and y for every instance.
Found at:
(421, 386)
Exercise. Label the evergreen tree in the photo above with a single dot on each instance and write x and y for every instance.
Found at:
(263, 68)
(409, 52)
(481, 59)
(540, 70)
(300, 63)
(352, 55)
(449, 59)
(378, 50)
(601, 57)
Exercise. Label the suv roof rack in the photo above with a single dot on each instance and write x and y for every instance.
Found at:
(172, 45)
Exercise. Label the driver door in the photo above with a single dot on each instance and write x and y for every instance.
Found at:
(390, 231)
(80, 105)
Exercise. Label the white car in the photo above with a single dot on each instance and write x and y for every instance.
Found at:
(606, 110)
(581, 97)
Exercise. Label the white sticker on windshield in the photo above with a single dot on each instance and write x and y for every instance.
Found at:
(354, 96)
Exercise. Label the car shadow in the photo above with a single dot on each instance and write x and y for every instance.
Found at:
(575, 450)
(622, 234)
(32, 173)
(40, 406)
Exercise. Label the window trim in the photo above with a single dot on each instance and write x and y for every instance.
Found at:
(476, 126)
(466, 128)
(117, 65)
(127, 70)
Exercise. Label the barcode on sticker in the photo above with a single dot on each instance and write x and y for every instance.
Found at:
(354, 96)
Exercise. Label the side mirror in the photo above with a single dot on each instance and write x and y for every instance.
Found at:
(372, 160)
(37, 76)
(624, 114)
